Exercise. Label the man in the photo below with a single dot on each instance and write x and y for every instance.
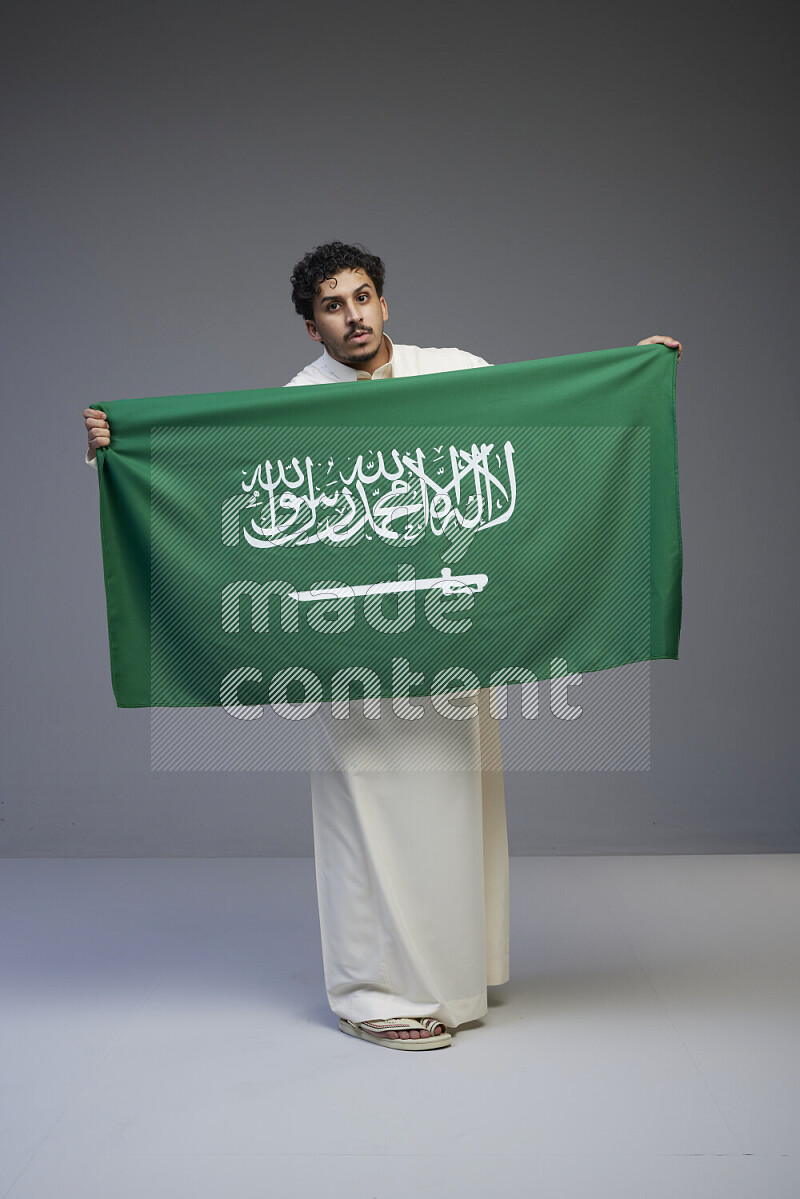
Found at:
(338, 290)
(411, 865)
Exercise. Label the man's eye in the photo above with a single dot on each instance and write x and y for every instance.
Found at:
(332, 307)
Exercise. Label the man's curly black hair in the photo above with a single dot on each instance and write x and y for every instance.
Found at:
(325, 262)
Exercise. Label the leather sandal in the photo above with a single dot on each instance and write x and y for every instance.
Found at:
(367, 1031)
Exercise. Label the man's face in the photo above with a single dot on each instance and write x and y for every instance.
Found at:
(348, 318)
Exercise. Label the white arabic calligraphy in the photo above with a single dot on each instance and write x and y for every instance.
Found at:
(340, 507)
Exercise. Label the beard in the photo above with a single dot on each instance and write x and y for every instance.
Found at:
(352, 355)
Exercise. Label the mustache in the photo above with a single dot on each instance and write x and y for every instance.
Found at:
(361, 329)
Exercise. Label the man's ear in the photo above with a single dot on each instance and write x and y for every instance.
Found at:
(312, 331)
(384, 309)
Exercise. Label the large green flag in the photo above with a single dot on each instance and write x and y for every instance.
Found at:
(412, 536)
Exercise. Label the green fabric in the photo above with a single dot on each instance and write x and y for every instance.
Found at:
(556, 480)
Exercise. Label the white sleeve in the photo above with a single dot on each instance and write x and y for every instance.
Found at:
(91, 461)
(301, 381)
(305, 377)
(474, 360)
(455, 359)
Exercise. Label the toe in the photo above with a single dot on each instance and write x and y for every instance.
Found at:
(409, 1035)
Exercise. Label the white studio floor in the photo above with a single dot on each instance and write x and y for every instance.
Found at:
(165, 1033)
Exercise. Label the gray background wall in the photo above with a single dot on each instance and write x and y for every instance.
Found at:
(541, 180)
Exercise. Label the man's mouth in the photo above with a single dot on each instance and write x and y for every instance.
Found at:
(359, 334)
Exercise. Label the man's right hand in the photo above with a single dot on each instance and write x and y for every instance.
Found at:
(97, 429)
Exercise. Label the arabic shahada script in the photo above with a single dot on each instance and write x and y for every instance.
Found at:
(395, 497)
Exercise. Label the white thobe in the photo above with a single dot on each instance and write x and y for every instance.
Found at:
(411, 866)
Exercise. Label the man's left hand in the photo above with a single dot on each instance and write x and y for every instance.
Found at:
(671, 342)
